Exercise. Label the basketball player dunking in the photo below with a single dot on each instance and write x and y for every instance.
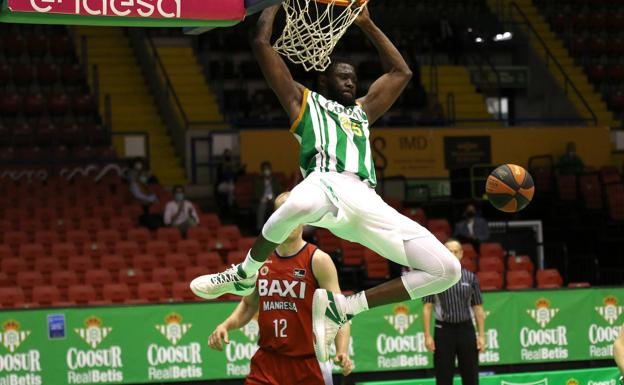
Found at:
(283, 300)
(332, 127)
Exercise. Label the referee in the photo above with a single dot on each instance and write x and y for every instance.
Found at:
(454, 332)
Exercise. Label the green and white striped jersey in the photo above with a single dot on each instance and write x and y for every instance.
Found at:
(333, 138)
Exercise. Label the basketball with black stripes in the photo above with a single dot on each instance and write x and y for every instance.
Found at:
(510, 188)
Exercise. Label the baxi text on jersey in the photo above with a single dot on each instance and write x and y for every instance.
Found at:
(281, 288)
(167, 9)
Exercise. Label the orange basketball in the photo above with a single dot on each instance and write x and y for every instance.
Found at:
(510, 188)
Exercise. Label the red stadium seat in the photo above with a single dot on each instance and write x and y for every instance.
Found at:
(549, 279)
(12, 265)
(81, 294)
(591, 191)
(123, 225)
(235, 257)
(80, 264)
(47, 265)
(78, 237)
(12, 297)
(157, 248)
(139, 235)
(46, 295)
(520, 262)
(63, 279)
(116, 293)
(469, 264)
(180, 291)
(327, 241)
(127, 249)
(352, 253)
(491, 249)
(108, 237)
(490, 280)
(578, 285)
(210, 221)
(610, 175)
(491, 264)
(201, 234)
(192, 272)
(152, 292)
(5, 280)
(416, 214)
(113, 262)
(519, 279)
(211, 261)
(376, 266)
(92, 226)
(131, 277)
(31, 251)
(177, 261)
(469, 251)
(220, 244)
(64, 251)
(171, 235)
(566, 185)
(5, 251)
(440, 225)
(29, 279)
(229, 232)
(145, 262)
(190, 247)
(46, 238)
(441, 236)
(97, 277)
(245, 243)
(14, 239)
(165, 275)
(615, 201)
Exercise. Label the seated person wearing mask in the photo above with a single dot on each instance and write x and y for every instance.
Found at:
(179, 212)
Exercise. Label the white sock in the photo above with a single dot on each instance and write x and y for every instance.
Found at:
(356, 303)
(250, 266)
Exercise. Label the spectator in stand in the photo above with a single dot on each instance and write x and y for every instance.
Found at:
(227, 172)
(180, 213)
(136, 167)
(265, 188)
(141, 191)
(570, 163)
(473, 228)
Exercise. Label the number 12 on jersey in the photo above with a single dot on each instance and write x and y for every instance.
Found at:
(280, 327)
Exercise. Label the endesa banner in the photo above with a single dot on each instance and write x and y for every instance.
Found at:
(125, 12)
(165, 343)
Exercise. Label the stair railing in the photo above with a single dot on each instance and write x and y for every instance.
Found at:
(568, 84)
(166, 99)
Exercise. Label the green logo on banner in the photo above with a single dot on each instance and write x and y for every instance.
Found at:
(18, 367)
(601, 336)
(95, 365)
(543, 343)
(174, 362)
(238, 353)
(401, 349)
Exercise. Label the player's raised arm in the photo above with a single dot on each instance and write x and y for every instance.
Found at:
(275, 71)
(384, 91)
(326, 275)
(242, 314)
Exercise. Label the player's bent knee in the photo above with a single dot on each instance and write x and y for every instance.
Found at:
(453, 271)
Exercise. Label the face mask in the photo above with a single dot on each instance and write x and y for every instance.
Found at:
(143, 179)
(266, 172)
(179, 197)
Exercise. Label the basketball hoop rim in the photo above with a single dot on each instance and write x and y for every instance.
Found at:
(341, 3)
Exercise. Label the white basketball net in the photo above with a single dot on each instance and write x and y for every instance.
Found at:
(313, 30)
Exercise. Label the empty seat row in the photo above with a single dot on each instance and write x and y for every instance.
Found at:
(519, 279)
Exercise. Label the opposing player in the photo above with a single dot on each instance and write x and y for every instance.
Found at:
(283, 297)
(332, 127)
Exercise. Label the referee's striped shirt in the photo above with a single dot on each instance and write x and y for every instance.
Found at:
(455, 304)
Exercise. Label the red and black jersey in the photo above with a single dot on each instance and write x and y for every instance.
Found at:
(286, 286)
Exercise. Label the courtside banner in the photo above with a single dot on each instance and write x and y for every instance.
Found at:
(606, 376)
(163, 343)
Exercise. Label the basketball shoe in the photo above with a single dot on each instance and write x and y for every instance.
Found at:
(232, 281)
(328, 316)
